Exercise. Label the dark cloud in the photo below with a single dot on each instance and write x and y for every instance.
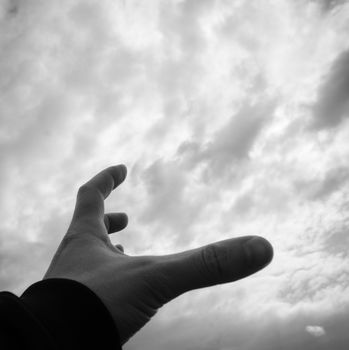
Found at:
(334, 180)
(24, 261)
(336, 241)
(329, 5)
(9, 8)
(168, 206)
(232, 142)
(320, 189)
(332, 105)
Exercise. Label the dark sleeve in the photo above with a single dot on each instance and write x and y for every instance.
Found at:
(56, 313)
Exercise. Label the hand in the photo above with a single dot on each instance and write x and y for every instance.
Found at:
(133, 288)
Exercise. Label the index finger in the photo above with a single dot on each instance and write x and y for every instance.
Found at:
(91, 195)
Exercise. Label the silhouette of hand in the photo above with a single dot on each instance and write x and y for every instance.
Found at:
(133, 288)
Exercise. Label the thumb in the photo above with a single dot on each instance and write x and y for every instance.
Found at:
(219, 262)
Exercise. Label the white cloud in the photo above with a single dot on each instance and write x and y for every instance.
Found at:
(316, 331)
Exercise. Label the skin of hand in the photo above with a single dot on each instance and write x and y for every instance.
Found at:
(133, 288)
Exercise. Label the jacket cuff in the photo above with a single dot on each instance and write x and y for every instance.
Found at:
(73, 315)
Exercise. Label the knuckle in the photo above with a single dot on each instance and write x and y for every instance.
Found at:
(89, 192)
(84, 189)
(72, 236)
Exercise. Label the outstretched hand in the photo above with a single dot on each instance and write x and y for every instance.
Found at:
(133, 288)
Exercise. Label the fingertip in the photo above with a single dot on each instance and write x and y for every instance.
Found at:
(115, 221)
(122, 221)
(118, 173)
(124, 171)
(259, 252)
(125, 219)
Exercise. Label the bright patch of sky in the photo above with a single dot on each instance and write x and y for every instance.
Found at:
(316, 331)
(232, 118)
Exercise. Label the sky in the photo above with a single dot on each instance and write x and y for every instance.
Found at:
(232, 119)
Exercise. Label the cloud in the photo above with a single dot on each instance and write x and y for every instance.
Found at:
(332, 105)
(204, 102)
(9, 8)
(316, 331)
(329, 5)
(232, 142)
(337, 240)
(22, 257)
(235, 330)
(168, 205)
(332, 181)
(235, 139)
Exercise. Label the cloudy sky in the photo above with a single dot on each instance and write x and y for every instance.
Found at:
(232, 118)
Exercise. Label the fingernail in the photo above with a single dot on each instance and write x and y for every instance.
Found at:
(259, 252)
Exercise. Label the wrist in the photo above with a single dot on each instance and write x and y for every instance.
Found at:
(72, 313)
